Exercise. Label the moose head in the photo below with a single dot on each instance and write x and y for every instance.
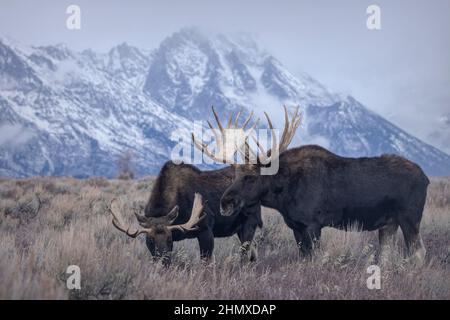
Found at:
(159, 230)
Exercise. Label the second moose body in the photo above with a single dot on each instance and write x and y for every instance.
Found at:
(315, 188)
(172, 214)
(175, 187)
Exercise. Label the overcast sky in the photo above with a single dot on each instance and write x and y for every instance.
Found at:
(401, 71)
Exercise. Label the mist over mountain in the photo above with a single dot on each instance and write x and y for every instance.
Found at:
(73, 113)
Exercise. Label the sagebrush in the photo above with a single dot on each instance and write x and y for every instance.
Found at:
(49, 223)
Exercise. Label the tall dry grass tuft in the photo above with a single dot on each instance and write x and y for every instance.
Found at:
(47, 224)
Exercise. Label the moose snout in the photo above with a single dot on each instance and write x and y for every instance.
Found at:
(227, 211)
(229, 207)
(163, 256)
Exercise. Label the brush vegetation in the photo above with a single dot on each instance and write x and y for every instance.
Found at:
(49, 223)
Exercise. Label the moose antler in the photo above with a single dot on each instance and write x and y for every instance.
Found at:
(190, 225)
(290, 127)
(196, 216)
(120, 225)
(222, 154)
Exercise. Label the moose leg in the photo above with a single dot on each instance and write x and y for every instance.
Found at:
(413, 240)
(246, 235)
(307, 238)
(386, 236)
(206, 244)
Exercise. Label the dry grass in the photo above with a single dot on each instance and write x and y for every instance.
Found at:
(47, 224)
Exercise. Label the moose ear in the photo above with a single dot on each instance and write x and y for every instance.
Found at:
(172, 215)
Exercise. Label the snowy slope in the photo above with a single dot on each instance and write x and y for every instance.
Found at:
(70, 113)
(80, 111)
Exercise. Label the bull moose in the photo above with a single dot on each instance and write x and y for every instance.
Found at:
(315, 188)
(167, 217)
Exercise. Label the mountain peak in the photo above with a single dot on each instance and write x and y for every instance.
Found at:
(59, 51)
(189, 35)
(126, 50)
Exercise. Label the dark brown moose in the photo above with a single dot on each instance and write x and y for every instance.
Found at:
(315, 188)
(164, 218)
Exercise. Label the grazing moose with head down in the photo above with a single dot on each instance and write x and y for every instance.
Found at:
(168, 216)
(315, 188)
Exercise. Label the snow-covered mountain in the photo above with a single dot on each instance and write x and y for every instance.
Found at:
(67, 113)
(73, 113)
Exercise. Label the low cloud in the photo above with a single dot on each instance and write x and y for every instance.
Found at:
(14, 135)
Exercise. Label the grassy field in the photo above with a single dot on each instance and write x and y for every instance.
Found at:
(47, 224)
